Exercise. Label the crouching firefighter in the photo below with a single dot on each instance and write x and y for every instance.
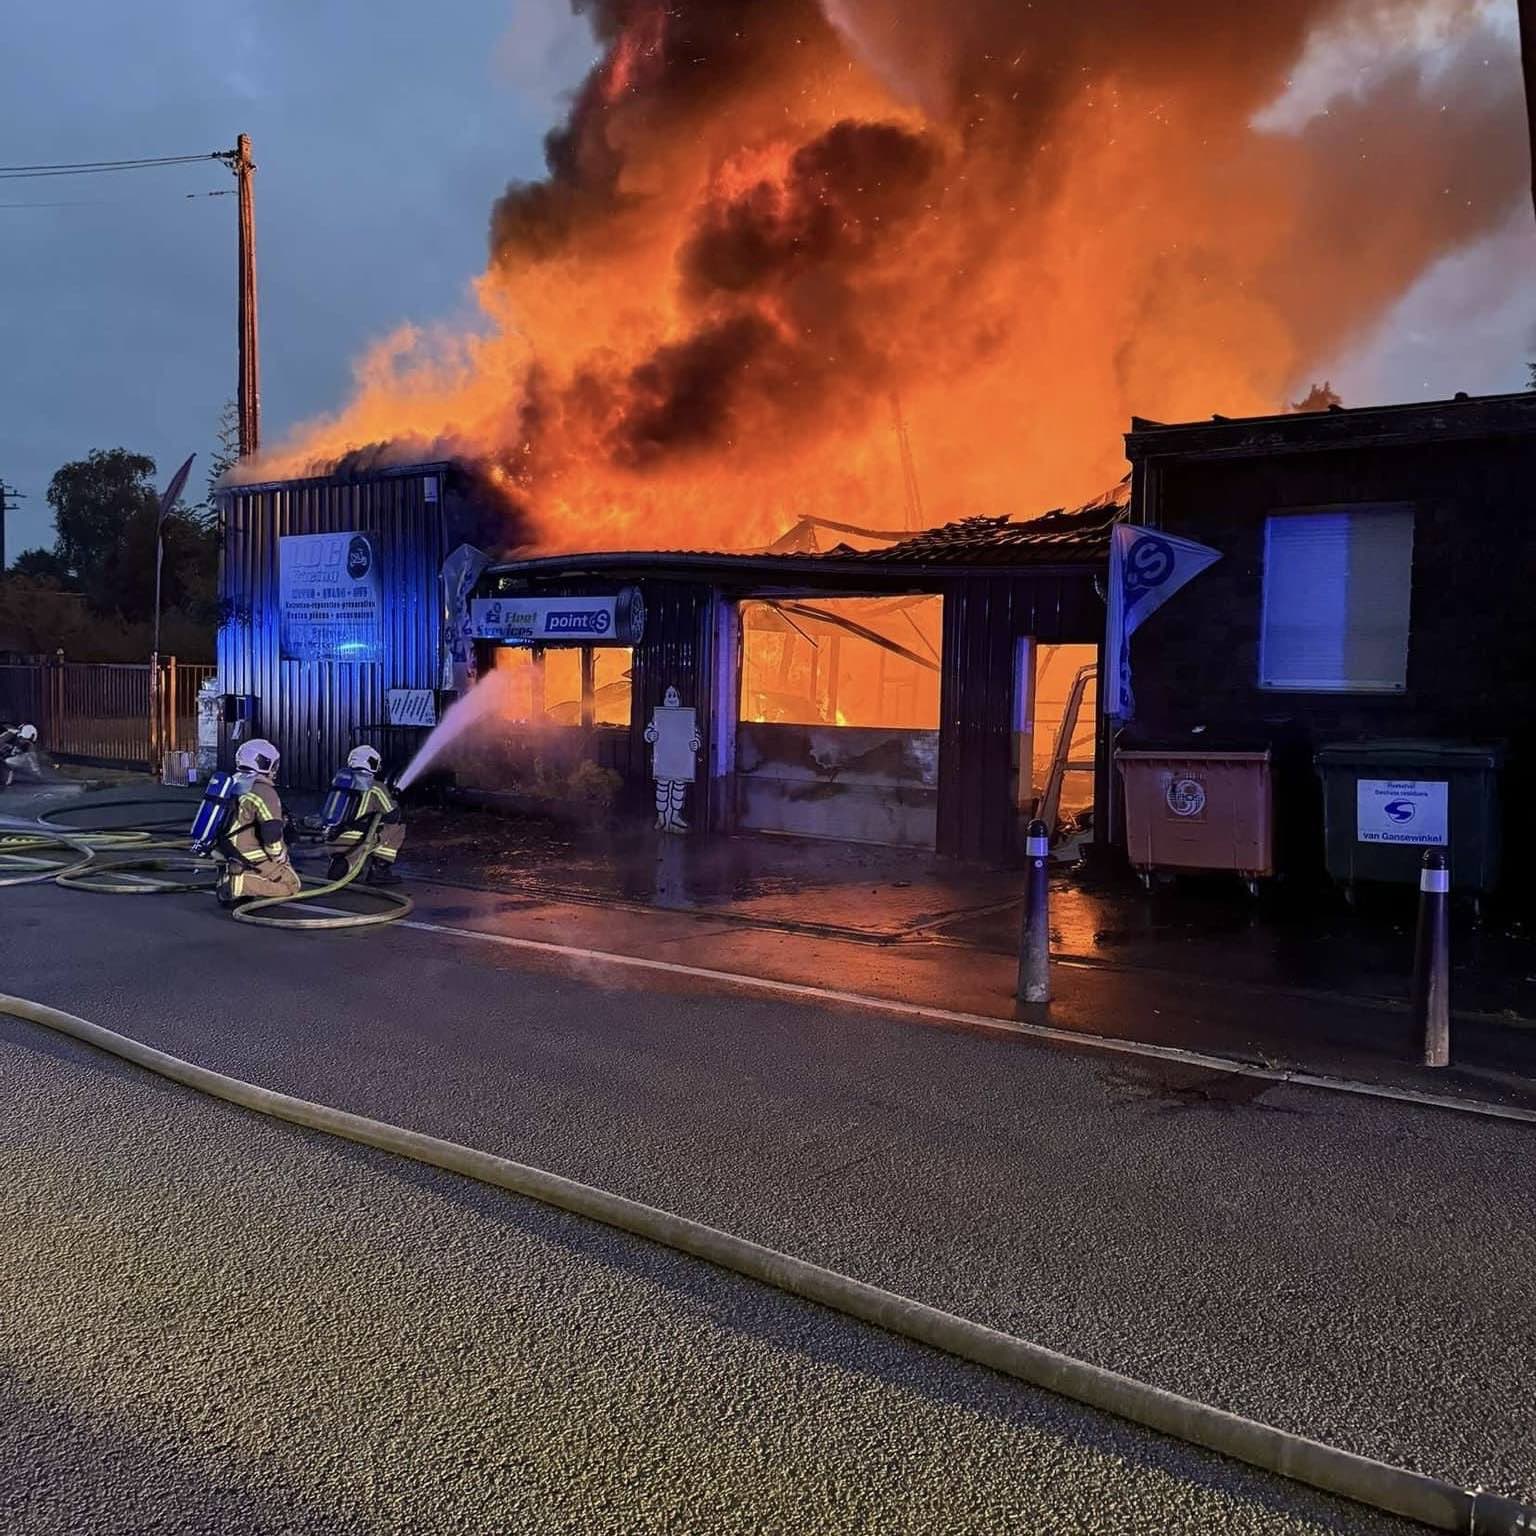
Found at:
(241, 822)
(18, 754)
(358, 798)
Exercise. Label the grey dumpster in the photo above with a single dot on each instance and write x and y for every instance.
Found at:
(1385, 802)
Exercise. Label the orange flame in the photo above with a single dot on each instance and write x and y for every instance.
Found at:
(754, 234)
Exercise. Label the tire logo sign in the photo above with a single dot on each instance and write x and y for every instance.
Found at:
(1186, 797)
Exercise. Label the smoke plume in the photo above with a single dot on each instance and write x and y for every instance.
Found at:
(764, 220)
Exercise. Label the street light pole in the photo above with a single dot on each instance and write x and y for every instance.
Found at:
(167, 506)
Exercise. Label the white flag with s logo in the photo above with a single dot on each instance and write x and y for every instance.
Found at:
(1146, 568)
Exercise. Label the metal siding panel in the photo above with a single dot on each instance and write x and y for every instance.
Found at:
(951, 713)
(311, 709)
(976, 661)
(983, 615)
(995, 812)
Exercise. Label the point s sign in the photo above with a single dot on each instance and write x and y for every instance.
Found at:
(577, 621)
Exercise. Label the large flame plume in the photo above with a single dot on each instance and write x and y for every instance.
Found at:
(765, 221)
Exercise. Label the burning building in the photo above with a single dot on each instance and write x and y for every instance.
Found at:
(807, 265)
(911, 693)
(932, 689)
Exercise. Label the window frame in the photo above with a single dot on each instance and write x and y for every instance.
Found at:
(587, 718)
(1345, 688)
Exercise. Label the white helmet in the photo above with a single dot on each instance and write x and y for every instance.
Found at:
(28, 733)
(257, 756)
(364, 759)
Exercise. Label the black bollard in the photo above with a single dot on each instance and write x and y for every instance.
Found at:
(1035, 942)
(1432, 961)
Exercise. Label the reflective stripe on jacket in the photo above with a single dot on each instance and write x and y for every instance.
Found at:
(257, 833)
(370, 800)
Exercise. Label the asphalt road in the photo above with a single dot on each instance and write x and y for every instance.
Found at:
(218, 1324)
(1363, 1273)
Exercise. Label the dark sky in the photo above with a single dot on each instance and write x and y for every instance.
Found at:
(383, 130)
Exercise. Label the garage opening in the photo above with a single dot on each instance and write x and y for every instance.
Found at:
(1056, 733)
(838, 718)
(563, 725)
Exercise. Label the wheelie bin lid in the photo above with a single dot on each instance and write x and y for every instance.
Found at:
(1217, 741)
(1411, 753)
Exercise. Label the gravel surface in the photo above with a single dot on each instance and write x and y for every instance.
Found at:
(217, 1324)
(1360, 1272)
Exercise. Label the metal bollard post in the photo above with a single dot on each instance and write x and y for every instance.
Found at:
(1432, 961)
(1035, 942)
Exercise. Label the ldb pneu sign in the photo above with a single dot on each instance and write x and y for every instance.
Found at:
(330, 597)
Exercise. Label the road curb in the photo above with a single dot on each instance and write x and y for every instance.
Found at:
(1293, 1077)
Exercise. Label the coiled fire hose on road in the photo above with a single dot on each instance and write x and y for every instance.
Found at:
(104, 856)
(1431, 1501)
(37, 851)
(396, 906)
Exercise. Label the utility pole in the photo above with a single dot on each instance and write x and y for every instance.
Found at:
(9, 496)
(249, 393)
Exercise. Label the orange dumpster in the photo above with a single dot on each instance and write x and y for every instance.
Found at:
(1189, 810)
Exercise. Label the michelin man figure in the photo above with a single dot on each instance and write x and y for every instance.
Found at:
(674, 736)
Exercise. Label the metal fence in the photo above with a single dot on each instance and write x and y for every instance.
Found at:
(99, 712)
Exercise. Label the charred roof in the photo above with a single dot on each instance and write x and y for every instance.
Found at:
(1459, 419)
(1064, 537)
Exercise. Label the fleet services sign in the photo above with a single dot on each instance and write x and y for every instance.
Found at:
(559, 620)
(1402, 811)
(330, 597)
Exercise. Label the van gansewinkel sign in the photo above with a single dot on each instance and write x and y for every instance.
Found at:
(330, 597)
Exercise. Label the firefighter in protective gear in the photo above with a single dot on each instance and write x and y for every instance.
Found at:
(254, 849)
(18, 755)
(368, 796)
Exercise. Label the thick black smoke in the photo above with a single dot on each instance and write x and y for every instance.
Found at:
(1028, 218)
(684, 60)
(828, 274)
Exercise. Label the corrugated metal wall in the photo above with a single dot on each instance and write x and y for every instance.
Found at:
(983, 618)
(311, 708)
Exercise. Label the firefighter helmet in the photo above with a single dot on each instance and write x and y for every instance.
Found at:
(257, 756)
(364, 760)
(27, 733)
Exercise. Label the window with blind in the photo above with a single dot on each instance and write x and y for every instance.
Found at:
(1337, 587)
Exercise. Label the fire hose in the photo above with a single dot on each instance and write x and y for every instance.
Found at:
(97, 868)
(396, 906)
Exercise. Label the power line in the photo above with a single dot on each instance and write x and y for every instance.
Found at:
(96, 167)
(121, 202)
(102, 170)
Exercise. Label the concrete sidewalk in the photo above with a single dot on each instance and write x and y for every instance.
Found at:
(1291, 939)
(899, 927)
